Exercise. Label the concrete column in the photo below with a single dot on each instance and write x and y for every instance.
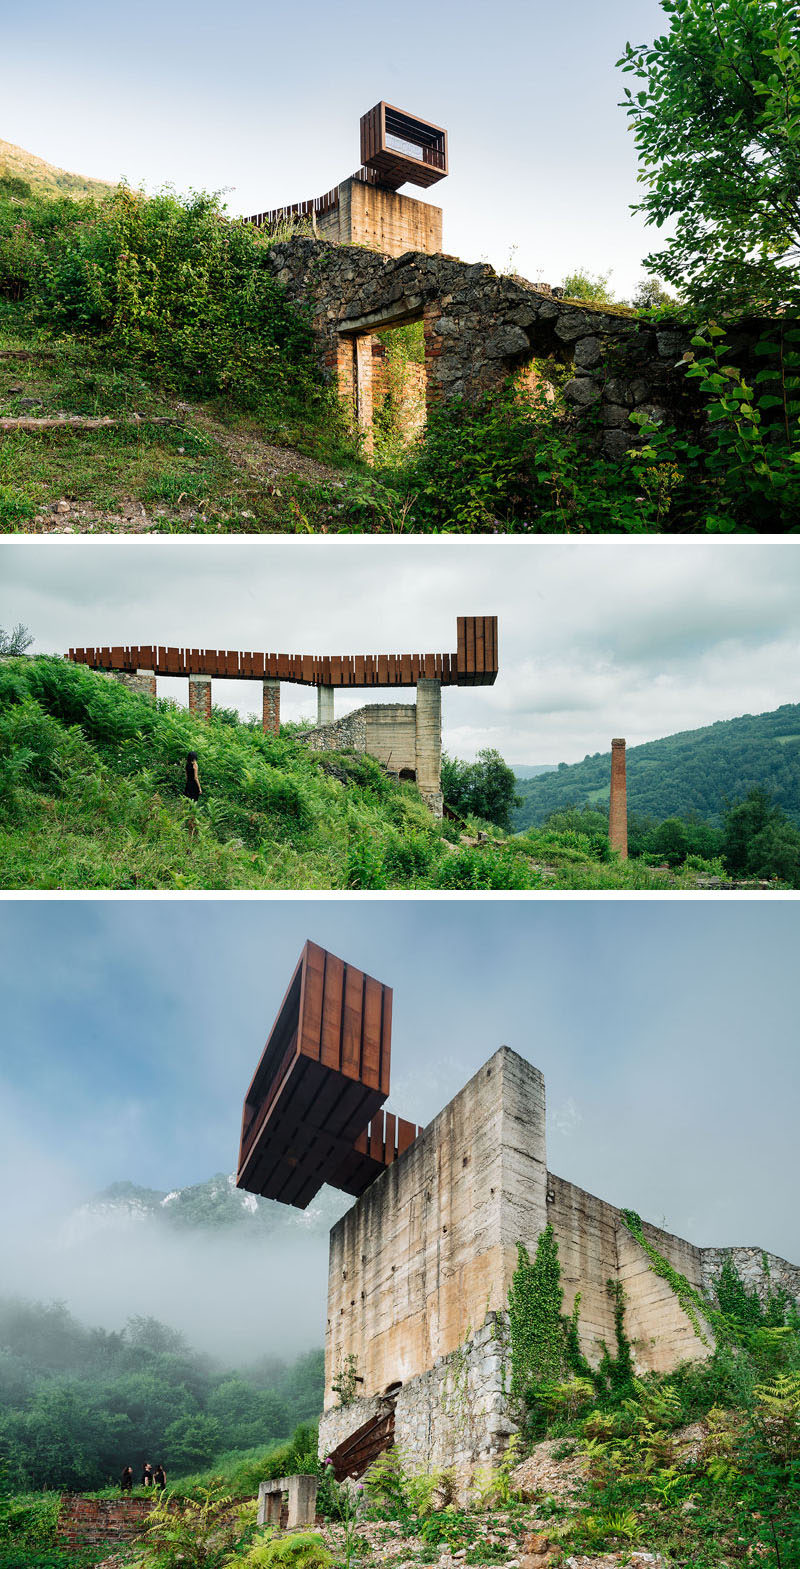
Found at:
(302, 1501)
(141, 681)
(200, 696)
(324, 705)
(618, 801)
(271, 710)
(429, 743)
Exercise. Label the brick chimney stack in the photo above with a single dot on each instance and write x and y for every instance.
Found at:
(618, 801)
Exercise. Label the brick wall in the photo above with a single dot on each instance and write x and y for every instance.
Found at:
(92, 1522)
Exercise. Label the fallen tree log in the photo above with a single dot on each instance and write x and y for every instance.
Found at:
(78, 422)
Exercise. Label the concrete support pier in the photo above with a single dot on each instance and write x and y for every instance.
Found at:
(271, 707)
(429, 743)
(618, 801)
(200, 696)
(141, 681)
(324, 705)
(301, 1494)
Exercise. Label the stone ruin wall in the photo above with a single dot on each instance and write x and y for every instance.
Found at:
(481, 327)
(387, 731)
(420, 1268)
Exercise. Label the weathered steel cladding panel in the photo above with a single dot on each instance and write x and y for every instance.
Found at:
(323, 1075)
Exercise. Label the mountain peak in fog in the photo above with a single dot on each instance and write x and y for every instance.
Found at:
(213, 1205)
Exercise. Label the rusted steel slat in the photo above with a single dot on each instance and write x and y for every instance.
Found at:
(386, 1040)
(376, 1138)
(352, 1017)
(406, 1134)
(313, 983)
(480, 646)
(405, 669)
(332, 998)
(390, 1142)
(371, 1035)
(383, 670)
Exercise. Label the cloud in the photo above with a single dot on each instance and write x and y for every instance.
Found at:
(597, 637)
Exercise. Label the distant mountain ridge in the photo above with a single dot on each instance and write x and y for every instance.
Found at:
(694, 771)
(46, 179)
(530, 770)
(216, 1204)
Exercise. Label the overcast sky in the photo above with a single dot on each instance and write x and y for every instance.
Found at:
(266, 98)
(598, 637)
(666, 1031)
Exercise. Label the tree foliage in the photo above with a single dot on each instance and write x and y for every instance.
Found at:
(692, 772)
(76, 1404)
(486, 788)
(15, 642)
(716, 118)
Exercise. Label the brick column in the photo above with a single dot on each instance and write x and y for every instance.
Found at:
(141, 681)
(618, 802)
(200, 696)
(324, 705)
(428, 743)
(271, 710)
(362, 376)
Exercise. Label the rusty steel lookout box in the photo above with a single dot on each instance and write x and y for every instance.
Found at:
(398, 147)
(313, 1111)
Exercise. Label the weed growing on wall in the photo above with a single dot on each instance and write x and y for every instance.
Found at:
(535, 1320)
(691, 1301)
(345, 1384)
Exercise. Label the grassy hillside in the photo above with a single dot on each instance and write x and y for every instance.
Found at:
(696, 771)
(91, 780)
(45, 179)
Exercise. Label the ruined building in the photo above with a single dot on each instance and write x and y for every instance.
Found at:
(420, 1266)
(373, 261)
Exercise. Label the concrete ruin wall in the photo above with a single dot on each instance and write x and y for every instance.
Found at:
(382, 220)
(420, 1269)
(387, 731)
(430, 1248)
(405, 737)
(481, 328)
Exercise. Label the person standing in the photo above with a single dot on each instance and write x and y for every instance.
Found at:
(193, 789)
(147, 1474)
(126, 1480)
(159, 1476)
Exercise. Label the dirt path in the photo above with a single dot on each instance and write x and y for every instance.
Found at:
(260, 459)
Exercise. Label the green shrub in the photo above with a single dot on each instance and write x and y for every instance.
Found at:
(305, 1550)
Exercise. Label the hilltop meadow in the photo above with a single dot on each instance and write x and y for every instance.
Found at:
(91, 796)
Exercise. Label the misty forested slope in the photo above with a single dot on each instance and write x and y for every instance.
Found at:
(695, 771)
(78, 1403)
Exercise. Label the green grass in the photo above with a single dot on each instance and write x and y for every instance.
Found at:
(91, 781)
(182, 474)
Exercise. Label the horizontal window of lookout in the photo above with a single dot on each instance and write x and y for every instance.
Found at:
(399, 145)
